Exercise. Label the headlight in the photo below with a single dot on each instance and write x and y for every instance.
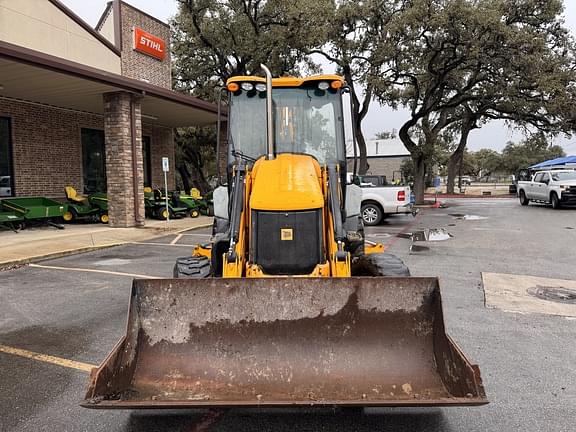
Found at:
(246, 86)
(323, 85)
(261, 87)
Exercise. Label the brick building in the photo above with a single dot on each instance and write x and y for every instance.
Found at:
(88, 107)
(385, 157)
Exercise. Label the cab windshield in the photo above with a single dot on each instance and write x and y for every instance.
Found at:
(306, 120)
(564, 175)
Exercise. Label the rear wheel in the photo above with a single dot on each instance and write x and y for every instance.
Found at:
(192, 267)
(523, 199)
(379, 264)
(555, 201)
(371, 214)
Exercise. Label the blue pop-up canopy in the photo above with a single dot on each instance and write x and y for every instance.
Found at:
(555, 162)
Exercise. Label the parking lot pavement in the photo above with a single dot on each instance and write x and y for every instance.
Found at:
(74, 308)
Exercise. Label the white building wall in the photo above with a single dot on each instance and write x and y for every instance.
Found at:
(41, 26)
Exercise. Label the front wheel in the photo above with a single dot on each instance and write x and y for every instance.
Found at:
(194, 213)
(192, 267)
(555, 201)
(523, 199)
(371, 214)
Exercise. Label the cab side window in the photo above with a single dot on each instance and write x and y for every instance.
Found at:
(538, 178)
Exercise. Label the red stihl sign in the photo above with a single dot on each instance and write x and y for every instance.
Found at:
(149, 44)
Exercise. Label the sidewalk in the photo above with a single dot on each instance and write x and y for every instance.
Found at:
(34, 244)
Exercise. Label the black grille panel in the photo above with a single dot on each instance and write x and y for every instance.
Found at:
(287, 243)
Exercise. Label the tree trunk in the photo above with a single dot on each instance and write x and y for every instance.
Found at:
(363, 165)
(185, 177)
(419, 177)
(359, 112)
(456, 158)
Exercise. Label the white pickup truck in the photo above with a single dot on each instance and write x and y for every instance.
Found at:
(380, 200)
(556, 187)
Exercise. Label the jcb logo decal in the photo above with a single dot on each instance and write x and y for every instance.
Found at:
(286, 234)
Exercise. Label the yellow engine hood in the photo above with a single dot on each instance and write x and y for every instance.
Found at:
(289, 182)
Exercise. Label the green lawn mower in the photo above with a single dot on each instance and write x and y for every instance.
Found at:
(155, 206)
(195, 201)
(93, 207)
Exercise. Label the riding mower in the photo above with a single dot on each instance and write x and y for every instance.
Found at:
(195, 200)
(155, 206)
(93, 207)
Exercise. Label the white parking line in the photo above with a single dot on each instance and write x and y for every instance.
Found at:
(87, 270)
(189, 246)
(178, 237)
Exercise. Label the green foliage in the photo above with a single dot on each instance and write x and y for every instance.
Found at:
(386, 135)
(450, 61)
(482, 163)
(531, 151)
(215, 39)
(195, 157)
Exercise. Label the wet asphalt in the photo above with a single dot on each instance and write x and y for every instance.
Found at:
(527, 361)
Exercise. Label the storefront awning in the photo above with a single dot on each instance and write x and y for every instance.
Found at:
(36, 77)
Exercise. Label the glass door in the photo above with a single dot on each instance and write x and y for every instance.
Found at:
(93, 160)
(6, 175)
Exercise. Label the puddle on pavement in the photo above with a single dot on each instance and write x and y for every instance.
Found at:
(404, 235)
(431, 234)
(467, 216)
(380, 235)
(112, 262)
(427, 234)
(553, 294)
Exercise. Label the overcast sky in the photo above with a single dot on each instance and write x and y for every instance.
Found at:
(493, 135)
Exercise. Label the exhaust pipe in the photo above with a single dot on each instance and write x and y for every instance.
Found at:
(269, 113)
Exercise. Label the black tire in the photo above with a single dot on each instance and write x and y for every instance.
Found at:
(194, 213)
(523, 200)
(372, 214)
(379, 264)
(555, 201)
(162, 214)
(192, 267)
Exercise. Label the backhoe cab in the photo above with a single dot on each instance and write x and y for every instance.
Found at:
(288, 305)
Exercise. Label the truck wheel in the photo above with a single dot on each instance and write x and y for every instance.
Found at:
(523, 200)
(555, 201)
(192, 267)
(371, 214)
(379, 264)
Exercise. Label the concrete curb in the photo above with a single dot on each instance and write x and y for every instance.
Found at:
(6, 265)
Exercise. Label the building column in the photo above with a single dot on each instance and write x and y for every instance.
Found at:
(124, 165)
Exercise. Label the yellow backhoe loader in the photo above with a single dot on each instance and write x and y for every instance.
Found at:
(288, 305)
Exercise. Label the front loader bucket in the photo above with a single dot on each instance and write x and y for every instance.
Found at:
(361, 341)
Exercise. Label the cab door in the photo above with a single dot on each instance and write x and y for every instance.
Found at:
(539, 187)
